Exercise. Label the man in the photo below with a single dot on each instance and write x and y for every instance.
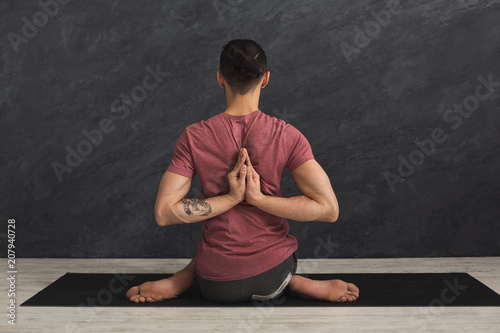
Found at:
(239, 155)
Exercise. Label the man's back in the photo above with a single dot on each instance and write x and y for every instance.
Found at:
(244, 241)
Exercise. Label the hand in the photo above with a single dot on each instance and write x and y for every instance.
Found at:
(253, 193)
(237, 178)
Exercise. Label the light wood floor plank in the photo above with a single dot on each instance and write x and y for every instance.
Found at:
(35, 274)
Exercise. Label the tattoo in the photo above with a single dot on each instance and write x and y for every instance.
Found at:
(196, 205)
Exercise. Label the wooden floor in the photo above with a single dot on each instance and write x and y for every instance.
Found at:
(35, 274)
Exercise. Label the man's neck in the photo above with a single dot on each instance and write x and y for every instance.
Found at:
(240, 105)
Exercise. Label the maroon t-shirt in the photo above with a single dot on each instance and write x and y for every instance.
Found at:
(243, 241)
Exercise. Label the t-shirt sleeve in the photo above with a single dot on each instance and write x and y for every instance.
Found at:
(182, 161)
(298, 150)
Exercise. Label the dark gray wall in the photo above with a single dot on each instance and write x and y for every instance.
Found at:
(363, 92)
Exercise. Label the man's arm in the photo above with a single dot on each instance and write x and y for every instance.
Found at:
(318, 202)
(172, 208)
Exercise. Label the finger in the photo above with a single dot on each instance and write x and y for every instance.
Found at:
(241, 164)
(243, 173)
(244, 156)
(249, 163)
(237, 165)
(241, 160)
(253, 174)
(249, 174)
(250, 169)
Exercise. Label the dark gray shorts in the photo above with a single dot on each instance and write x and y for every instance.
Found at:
(265, 286)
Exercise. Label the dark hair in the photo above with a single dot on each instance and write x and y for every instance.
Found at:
(242, 64)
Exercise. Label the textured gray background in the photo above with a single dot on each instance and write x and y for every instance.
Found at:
(358, 112)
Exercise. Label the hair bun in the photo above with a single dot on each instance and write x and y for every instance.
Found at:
(246, 65)
(242, 62)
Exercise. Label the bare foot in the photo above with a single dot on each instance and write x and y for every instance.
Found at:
(325, 290)
(156, 291)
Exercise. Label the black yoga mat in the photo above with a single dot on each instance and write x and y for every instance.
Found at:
(380, 289)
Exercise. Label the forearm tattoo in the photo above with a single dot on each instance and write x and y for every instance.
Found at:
(196, 206)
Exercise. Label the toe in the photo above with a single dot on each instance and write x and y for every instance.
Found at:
(132, 291)
(150, 299)
(352, 287)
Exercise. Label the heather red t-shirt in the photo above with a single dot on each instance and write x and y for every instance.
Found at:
(243, 241)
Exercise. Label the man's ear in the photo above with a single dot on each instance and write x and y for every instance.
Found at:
(220, 80)
(265, 80)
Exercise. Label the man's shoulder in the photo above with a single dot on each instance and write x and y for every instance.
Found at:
(215, 121)
(273, 119)
(201, 124)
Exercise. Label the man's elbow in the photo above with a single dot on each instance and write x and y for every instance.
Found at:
(329, 213)
(333, 214)
(165, 216)
(161, 217)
